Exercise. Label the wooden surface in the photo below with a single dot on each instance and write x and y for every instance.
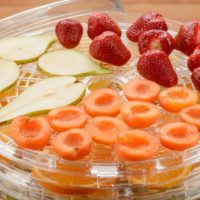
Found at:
(182, 10)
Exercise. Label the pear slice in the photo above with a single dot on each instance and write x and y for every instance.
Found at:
(25, 49)
(9, 73)
(69, 62)
(44, 96)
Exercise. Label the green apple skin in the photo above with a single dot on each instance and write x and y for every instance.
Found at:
(9, 86)
(99, 72)
(10, 198)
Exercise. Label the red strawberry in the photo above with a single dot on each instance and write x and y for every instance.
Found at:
(196, 78)
(100, 22)
(156, 66)
(69, 32)
(148, 21)
(194, 60)
(108, 47)
(156, 39)
(188, 37)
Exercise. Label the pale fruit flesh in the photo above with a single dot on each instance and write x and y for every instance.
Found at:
(9, 73)
(68, 62)
(25, 49)
(43, 96)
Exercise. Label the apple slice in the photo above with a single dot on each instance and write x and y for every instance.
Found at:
(9, 73)
(25, 49)
(69, 62)
(44, 96)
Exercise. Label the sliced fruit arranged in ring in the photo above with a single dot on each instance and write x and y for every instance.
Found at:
(103, 102)
(179, 136)
(141, 89)
(191, 115)
(68, 117)
(175, 99)
(43, 96)
(140, 114)
(29, 133)
(73, 144)
(69, 62)
(25, 49)
(9, 73)
(104, 130)
(75, 138)
(137, 145)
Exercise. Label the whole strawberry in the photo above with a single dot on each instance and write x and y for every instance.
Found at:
(188, 37)
(69, 33)
(100, 22)
(156, 66)
(196, 78)
(194, 59)
(148, 21)
(156, 39)
(108, 47)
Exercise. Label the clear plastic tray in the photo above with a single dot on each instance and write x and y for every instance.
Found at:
(109, 175)
(15, 181)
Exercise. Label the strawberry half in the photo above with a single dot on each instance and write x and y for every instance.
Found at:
(146, 22)
(108, 47)
(69, 33)
(100, 22)
(156, 39)
(196, 78)
(194, 59)
(156, 66)
(188, 37)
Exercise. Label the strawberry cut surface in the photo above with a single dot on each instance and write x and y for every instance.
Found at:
(156, 39)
